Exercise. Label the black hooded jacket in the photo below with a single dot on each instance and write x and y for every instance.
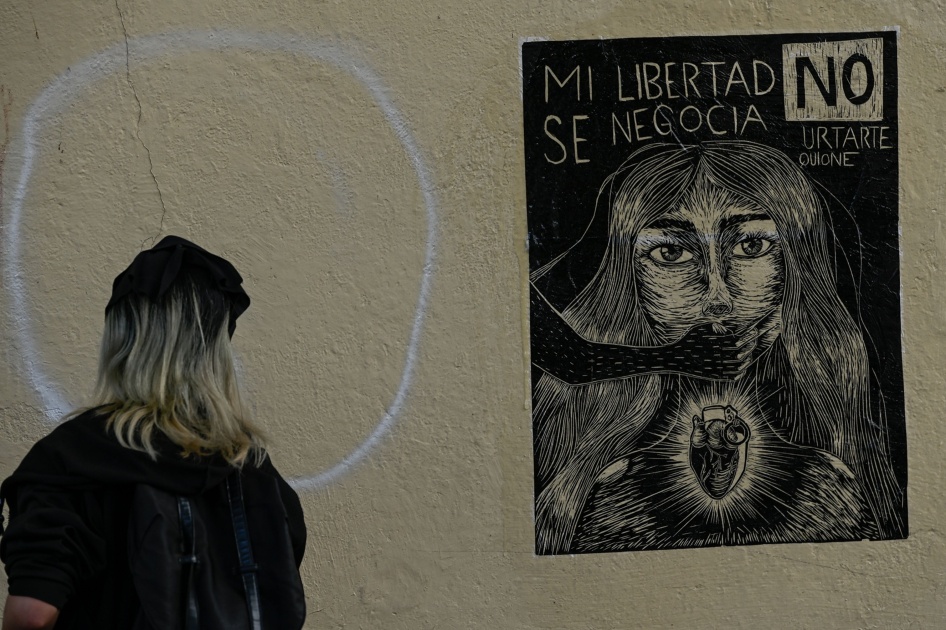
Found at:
(66, 542)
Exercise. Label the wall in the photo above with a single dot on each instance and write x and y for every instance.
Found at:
(362, 165)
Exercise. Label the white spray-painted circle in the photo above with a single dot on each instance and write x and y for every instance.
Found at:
(66, 87)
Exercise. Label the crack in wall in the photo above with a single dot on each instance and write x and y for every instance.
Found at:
(134, 92)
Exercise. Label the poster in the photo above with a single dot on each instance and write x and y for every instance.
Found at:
(714, 291)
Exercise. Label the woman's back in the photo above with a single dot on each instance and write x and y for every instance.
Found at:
(70, 500)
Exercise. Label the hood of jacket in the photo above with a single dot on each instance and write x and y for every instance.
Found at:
(82, 454)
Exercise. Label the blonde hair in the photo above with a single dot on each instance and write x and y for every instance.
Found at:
(168, 365)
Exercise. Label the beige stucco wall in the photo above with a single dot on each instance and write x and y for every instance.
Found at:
(291, 167)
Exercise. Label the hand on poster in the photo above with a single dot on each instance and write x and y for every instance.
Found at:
(705, 352)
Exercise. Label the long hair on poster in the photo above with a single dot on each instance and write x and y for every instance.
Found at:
(714, 291)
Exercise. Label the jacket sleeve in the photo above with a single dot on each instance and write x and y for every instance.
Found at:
(296, 518)
(50, 545)
(297, 531)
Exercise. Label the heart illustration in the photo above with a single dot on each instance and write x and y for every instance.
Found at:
(718, 449)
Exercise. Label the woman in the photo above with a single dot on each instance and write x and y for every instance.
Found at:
(731, 236)
(167, 415)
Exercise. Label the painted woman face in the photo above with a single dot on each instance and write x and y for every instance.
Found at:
(714, 259)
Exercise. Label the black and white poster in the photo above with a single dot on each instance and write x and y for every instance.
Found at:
(714, 291)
